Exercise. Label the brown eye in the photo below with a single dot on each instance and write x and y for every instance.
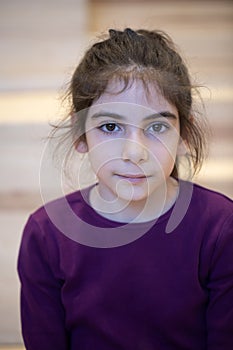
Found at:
(110, 127)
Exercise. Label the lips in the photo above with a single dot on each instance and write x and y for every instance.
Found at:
(133, 178)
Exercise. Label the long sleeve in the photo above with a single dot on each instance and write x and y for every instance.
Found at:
(220, 286)
(42, 313)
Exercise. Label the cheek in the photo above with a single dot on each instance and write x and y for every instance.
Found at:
(101, 155)
(164, 154)
(102, 148)
(165, 149)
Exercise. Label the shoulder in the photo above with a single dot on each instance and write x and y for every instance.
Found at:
(75, 201)
(210, 210)
(202, 209)
(211, 202)
(199, 210)
(213, 223)
(53, 215)
(48, 231)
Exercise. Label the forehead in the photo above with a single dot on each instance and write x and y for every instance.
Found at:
(135, 93)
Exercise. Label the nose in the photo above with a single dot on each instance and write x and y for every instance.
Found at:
(134, 150)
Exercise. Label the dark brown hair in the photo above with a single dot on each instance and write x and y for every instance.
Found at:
(150, 56)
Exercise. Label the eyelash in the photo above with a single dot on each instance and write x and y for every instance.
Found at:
(165, 127)
(108, 132)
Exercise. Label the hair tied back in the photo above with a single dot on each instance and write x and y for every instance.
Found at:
(112, 33)
(130, 32)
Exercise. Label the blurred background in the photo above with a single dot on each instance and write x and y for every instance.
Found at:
(41, 43)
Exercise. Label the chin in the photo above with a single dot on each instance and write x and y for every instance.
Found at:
(132, 196)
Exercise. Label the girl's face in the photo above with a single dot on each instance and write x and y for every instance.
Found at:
(132, 139)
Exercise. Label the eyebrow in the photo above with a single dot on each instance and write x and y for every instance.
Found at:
(165, 114)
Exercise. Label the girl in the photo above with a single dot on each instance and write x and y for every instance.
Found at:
(140, 260)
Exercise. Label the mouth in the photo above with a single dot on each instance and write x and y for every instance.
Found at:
(133, 178)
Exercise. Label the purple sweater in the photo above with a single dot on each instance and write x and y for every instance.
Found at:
(161, 291)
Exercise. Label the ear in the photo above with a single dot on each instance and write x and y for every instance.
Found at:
(182, 148)
(81, 147)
